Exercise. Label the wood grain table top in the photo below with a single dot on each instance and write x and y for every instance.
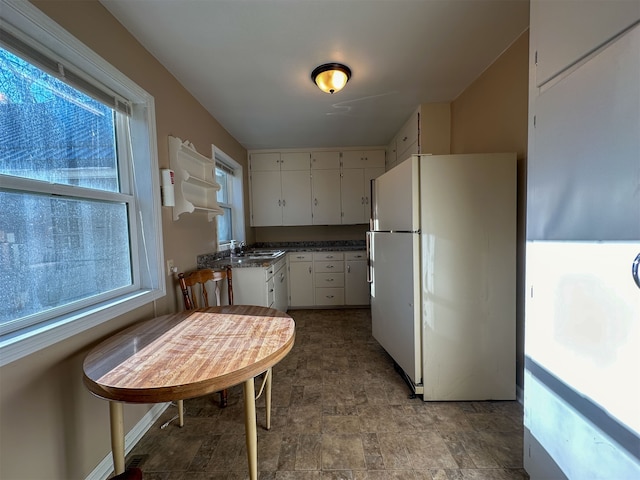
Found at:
(188, 354)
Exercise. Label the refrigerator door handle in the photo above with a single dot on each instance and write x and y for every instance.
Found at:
(634, 270)
(369, 263)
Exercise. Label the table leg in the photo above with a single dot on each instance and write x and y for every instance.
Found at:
(250, 427)
(117, 436)
(267, 398)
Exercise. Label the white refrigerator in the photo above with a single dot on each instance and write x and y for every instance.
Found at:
(442, 256)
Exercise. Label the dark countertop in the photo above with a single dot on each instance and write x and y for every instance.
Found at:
(221, 260)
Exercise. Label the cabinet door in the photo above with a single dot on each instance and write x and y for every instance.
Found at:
(265, 162)
(407, 139)
(362, 159)
(326, 197)
(301, 284)
(281, 297)
(369, 174)
(266, 201)
(390, 155)
(295, 161)
(353, 196)
(356, 286)
(325, 160)
(296, 197)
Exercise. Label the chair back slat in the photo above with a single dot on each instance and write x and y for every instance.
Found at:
(193, 286)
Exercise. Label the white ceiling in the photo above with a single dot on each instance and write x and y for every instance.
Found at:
(249, 61)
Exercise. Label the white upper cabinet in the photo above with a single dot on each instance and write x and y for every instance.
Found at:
(358, 168)
(266, 198)
(265, 162)
(296, 197)
(427, 130)
(295, 161)
(326, 205)
(325, 160)
(280, 189)
(363, 159)
(317, 187)
(565, 32)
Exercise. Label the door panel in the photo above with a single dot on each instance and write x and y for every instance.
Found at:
(395, 305)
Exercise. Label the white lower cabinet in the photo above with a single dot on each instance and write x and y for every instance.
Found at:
(263, 286)
(328, 279)
(356, 287)
(280, 287)
(301, 290)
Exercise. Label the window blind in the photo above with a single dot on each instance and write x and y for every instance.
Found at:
(64, 72)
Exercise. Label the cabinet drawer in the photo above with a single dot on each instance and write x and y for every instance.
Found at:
(329, 280)
(300, 257)
(328, 267)
(328, 256)
(355, 255)
(329, 296)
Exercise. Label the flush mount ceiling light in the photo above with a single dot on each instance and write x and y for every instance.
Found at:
(331, 77)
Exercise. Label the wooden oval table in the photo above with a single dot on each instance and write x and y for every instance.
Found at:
(186, 355)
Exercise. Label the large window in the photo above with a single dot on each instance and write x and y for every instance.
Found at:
(79, 223)
(229, 197)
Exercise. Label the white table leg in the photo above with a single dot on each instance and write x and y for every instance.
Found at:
(250, 427)
(267, 399)
(117, 436)
(181, 413)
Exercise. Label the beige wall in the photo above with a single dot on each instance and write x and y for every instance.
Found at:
(491, 116)
(50, 426)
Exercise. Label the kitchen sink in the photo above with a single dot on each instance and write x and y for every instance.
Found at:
(261, 254)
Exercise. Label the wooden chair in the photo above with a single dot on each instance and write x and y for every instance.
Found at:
(193, 286)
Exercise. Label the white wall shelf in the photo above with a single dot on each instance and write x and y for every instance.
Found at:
(195, 182)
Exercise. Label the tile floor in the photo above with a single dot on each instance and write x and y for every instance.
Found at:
(340, 411)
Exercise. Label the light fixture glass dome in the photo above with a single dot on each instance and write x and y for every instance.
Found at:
(331, 77)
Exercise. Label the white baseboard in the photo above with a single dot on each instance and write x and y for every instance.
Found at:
(105, 467)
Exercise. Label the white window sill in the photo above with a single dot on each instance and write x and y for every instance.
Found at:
(17, 345)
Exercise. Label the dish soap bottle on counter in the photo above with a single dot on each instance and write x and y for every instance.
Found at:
(232, 249)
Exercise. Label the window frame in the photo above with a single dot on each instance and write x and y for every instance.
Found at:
(36, 29)
(237, 198)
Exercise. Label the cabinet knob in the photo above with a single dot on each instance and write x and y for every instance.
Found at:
(405, 139)
(348, 268)
(328, 279)
(309, 269)
(329, 266)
